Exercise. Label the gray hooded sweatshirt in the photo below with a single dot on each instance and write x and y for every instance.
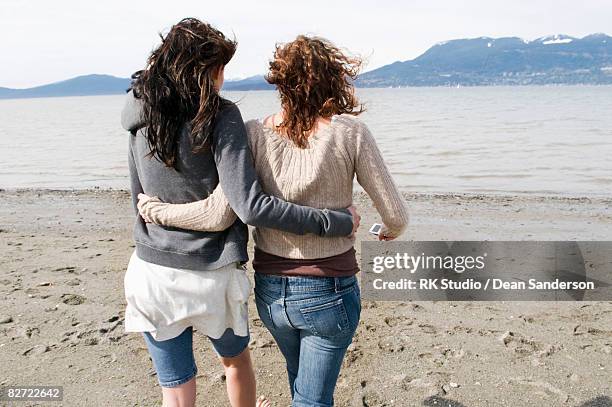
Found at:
(228, 162)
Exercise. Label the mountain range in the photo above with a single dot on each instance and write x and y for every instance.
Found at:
(484, 61)
(80, 86)
(558, 59)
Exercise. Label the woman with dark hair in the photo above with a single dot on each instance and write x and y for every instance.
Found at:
(186, 140)
(308, 153)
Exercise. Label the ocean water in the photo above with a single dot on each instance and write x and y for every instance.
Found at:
(502, 140)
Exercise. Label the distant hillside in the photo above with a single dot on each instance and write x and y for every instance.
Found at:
(89, 85)
(252, 83)
(557, 59)
(79, 86)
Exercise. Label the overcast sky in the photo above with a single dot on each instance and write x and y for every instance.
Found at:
(44, 41)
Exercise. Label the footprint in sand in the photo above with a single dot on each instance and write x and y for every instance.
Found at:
(527, 346)
(428, 329)
(90, 336)
(72, 299)
(353, 354)
(398, 320)
(391, 344)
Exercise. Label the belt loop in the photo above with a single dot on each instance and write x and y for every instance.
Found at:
(336, 284)
(283, 289)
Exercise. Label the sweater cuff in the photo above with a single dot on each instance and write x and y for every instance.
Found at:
(337, 223)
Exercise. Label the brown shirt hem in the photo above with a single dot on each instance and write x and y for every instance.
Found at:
(341, 265)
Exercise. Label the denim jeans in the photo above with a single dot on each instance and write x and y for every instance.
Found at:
(313, 320)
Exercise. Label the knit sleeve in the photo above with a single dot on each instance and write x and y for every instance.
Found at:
(212, 214)
(373, 175)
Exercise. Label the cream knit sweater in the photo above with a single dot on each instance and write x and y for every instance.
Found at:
(319, 176)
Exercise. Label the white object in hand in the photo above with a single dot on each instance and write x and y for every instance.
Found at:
(375, 229)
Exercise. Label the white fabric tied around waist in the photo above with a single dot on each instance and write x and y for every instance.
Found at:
(165, 301)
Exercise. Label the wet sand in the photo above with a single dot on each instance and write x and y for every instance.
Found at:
(61, 321)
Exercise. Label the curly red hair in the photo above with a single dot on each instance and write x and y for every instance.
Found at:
(315, 80)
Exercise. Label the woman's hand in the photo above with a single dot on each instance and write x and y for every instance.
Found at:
(149, 208)
(385, 238)
(384, 235)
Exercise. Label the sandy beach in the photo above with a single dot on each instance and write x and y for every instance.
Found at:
(63, 260)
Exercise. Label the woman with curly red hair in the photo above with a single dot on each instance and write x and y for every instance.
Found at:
(308, 153)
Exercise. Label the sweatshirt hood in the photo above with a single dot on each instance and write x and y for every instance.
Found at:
(131, 115)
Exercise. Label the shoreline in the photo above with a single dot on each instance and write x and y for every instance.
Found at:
(604, 199)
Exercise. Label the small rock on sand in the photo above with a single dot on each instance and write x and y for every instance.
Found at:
(506, 337)
(5, 319)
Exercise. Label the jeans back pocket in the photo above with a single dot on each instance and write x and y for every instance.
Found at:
(264, 310)
(328, 319)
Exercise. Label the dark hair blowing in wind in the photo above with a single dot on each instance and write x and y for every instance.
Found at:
(177, 87)
(315, 80)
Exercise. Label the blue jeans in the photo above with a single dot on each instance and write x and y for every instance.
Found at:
(173, 359)
(313, 320)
